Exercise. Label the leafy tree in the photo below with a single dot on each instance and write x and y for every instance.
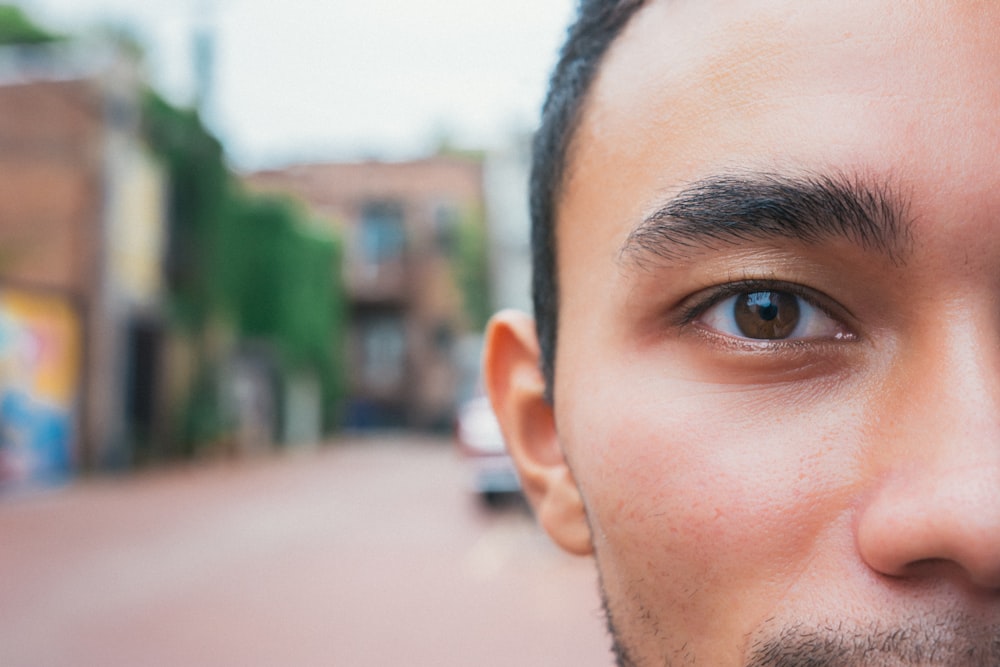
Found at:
(281, 280)
(200, 198)
(17, 28)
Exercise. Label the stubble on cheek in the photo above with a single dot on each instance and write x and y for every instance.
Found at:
(624, 649)
(686, 573)
(640, 635)
(619, 648)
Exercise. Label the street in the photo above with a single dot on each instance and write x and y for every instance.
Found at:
(360, 553)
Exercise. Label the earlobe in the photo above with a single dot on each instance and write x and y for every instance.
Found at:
(517, 391)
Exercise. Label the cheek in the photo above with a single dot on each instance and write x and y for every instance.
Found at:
(695, 493)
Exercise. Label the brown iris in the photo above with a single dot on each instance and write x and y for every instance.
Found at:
(766, 315)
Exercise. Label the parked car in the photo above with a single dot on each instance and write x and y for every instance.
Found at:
(480, 442)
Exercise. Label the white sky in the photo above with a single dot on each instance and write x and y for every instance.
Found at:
(316, 79)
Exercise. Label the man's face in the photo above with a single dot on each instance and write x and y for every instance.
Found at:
(786, 434)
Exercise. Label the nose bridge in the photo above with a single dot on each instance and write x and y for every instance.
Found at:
(949, 411)
(937, 465)
(947, 395)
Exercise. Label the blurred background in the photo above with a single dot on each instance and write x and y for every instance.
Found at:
(247, 251)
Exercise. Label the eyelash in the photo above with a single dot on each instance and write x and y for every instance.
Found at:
(712, 296)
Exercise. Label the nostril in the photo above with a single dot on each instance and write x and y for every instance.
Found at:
(979, 576)
(926, 566)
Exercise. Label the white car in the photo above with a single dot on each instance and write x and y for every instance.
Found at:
(480, 442)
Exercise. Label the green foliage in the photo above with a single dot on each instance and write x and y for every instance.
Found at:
(278, 277)
(281, 281)
(254, 262)
(17, 28)
(471, 263)
(203, 418)
(200, 197)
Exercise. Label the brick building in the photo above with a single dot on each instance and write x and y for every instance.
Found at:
(401, 223)
(81, 232)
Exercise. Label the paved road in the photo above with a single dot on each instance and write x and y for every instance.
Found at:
(362, 553)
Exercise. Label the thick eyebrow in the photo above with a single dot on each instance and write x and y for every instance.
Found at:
(759, 207)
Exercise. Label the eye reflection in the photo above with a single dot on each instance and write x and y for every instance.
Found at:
(770, 315)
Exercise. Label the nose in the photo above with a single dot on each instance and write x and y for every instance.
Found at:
(934, 505)
(920, 528)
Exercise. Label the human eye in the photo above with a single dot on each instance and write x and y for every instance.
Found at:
(762, 311)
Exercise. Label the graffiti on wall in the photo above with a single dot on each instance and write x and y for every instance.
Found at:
(40, 347)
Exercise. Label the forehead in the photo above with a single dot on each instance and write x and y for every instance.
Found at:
(693, 83)
(714, 68)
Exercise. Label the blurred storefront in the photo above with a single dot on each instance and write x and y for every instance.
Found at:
(40, 355)
(82, 233)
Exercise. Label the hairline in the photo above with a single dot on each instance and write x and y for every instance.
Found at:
(553, 149)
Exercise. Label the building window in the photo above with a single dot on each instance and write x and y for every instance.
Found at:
(383, 236)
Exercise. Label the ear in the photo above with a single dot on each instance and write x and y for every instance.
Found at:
(517, 391)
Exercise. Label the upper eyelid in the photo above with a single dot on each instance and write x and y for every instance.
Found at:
(716, 294)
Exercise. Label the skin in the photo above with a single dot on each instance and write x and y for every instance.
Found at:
(741, 493)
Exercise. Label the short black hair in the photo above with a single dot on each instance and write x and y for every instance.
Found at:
(597, 24)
